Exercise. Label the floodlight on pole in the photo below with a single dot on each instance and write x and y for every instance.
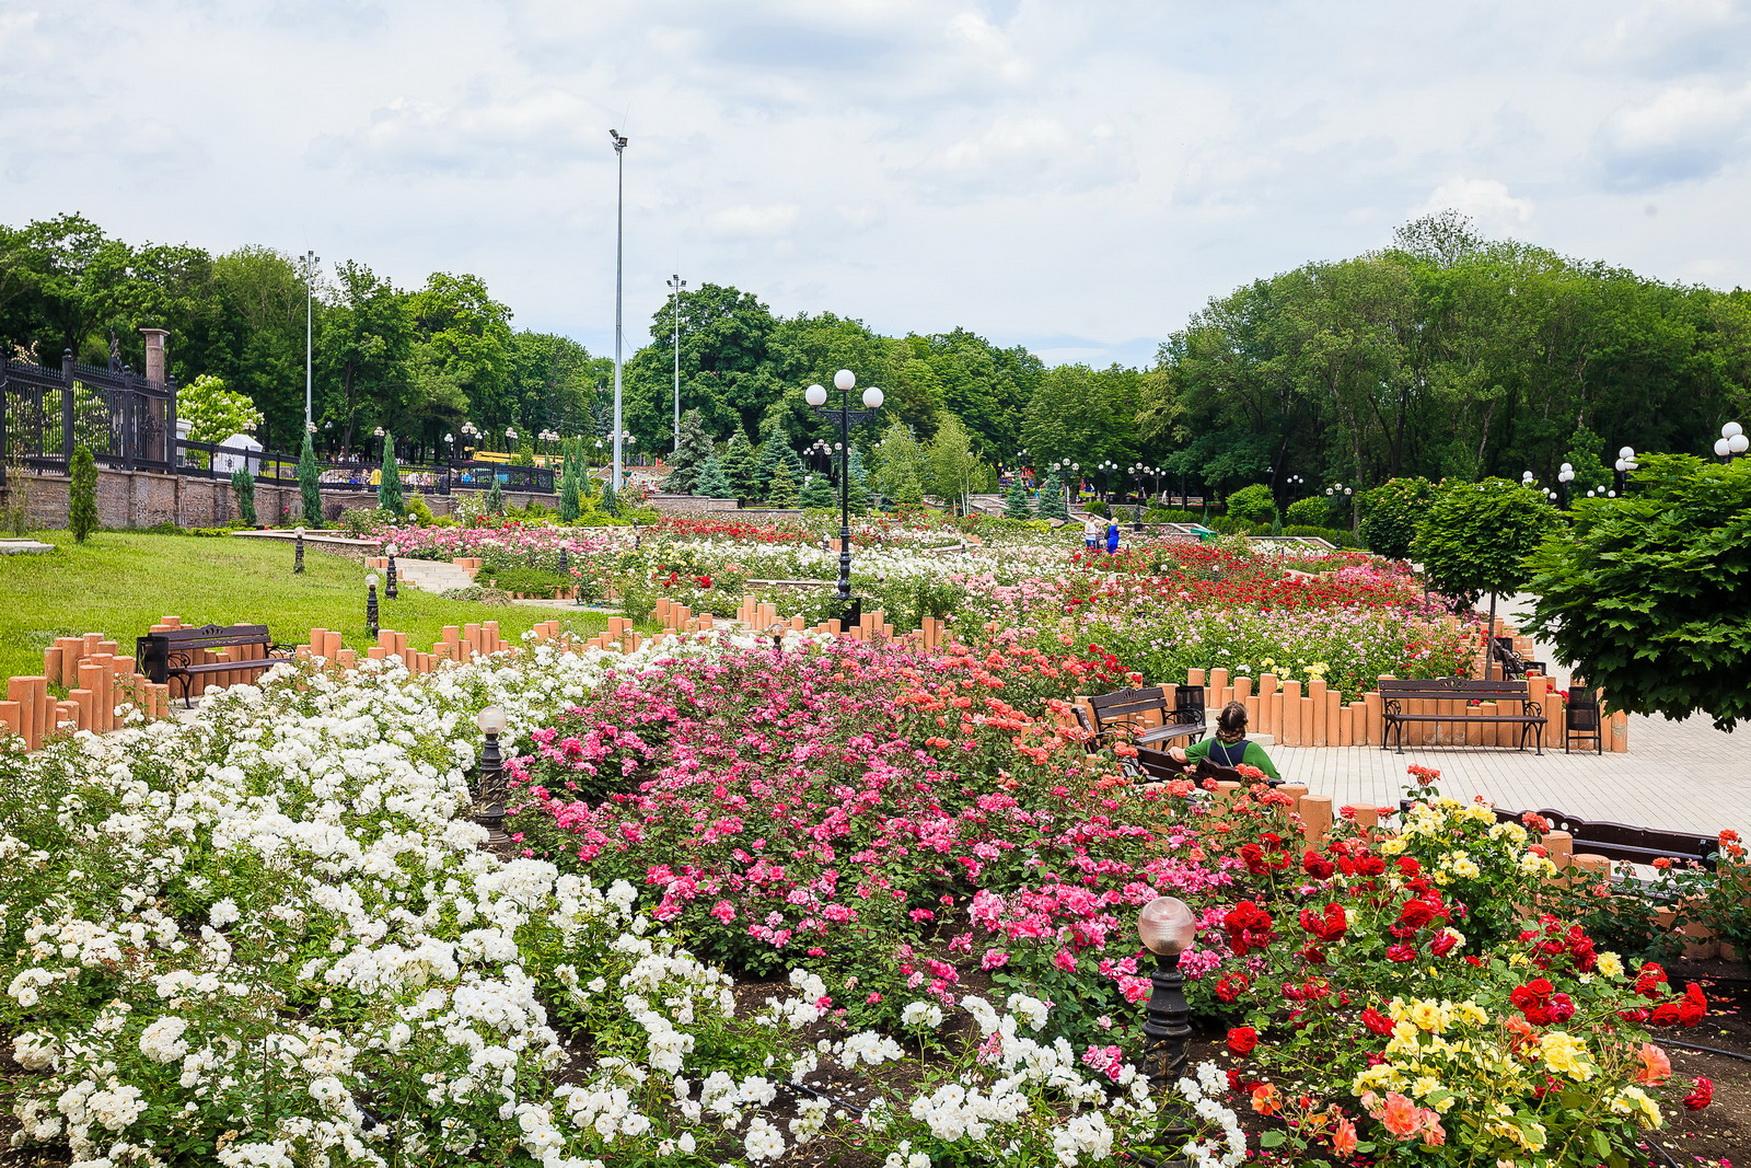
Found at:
(619, 141)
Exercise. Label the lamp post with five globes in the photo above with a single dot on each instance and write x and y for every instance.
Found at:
(816, 396)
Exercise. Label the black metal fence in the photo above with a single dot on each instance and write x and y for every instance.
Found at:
(127, 421)
(217, 461)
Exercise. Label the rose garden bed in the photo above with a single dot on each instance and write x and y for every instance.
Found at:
(826, 903)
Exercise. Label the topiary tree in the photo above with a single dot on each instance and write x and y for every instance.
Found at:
(693, 447)
(570, 499)
(389, 483)
(310, 484)
(712, 483)
(817, 493)
(1051, 500)
(1315, 511)
(1016, 504)
(1391, 514)
(243, 487)
(495, 497)
(742, 467)
(1645, 595)
(781, 489)
(1476, 537)
(1252, 504)
(82, 493)
(858, 494)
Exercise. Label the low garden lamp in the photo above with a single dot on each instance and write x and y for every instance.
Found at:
(1166, 927)
(1625, 463)
(298, 551)
(489, 784)
(371, 604)
(389, 577)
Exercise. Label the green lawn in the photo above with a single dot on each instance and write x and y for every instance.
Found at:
(119, 583)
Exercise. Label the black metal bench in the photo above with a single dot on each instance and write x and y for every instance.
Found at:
(1514, 667)
(174, 653)
(1395, 711)
(1144, 718)
(1620, 841)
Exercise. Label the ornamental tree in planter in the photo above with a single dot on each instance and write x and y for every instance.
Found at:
(1476, 537)
(1645, 596)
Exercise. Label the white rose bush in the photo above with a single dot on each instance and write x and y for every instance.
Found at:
(270, 936)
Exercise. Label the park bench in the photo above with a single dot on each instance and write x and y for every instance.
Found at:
(1396, 698)
(1514, 667)
(1144, 718)
(178, 653)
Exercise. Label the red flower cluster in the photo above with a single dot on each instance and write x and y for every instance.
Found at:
(1541, 1005)
(1329, 926)
(1248, 927)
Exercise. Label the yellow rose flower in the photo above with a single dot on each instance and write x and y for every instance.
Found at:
(1610, 965)
(1634, 1101)
(1563, 1054)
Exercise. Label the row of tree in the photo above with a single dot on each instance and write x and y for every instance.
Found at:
(1442, 355)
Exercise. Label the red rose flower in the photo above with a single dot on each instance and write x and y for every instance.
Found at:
(1242, 1039)
(1701, 1095)
(1401, 952)
(1376, 1022)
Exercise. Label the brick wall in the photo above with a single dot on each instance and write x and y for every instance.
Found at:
(145, 498)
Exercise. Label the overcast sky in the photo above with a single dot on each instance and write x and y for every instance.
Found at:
(1074, 177)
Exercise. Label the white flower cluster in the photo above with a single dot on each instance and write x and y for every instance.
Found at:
(271, 929)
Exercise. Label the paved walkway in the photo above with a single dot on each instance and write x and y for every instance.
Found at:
(431, 575)
(1686, 775)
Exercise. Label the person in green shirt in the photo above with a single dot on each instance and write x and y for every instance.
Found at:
(1230, 747)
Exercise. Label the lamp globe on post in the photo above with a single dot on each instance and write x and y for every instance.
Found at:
(389, 583)
(1733, 441)
(1167, 928)
(816, 396)
(489, 787)
(298, 551)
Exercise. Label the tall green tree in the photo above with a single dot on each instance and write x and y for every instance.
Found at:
(1476, 538)
(1051, 498)
(363, 353)
(712, 482)
(741, 466)
(1015, 503)
(955, 472)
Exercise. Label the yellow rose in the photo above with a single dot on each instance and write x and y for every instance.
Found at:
(1562, 1055)
(1610, 964)
(1391, 847)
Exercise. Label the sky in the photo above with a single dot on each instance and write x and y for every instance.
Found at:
(1077, 178)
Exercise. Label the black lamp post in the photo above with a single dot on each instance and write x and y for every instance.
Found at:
(371, 604)
(1625, 463)
(297, 551)
(489, 785)
(389, 580)
(816, 396)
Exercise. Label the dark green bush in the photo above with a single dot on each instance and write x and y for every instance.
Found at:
(1315, 511)
(1253, 504)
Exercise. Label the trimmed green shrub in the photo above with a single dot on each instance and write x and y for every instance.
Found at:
(1391, 514)
(389, 484)
(310, 484)
(243, 488)
(1253, 504)
(82, 494)
(1315, 511)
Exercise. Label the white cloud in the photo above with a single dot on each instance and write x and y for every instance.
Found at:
(1077, 176)
(764, 222)
(1486, 200)
(1682, 132)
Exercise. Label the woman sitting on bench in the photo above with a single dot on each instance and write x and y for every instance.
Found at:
(1230, 747)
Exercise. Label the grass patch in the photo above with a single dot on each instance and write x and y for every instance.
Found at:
(120, 583)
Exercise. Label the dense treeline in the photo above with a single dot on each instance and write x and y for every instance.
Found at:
(1446, 355)
(1441, 355)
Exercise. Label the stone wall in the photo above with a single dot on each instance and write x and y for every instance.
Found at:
(146, 498)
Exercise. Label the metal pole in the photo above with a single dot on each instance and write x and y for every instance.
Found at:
(309, 296)
(675, 285)
(619, 236)
(845, 495)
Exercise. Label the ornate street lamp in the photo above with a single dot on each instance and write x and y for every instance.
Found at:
(1732, 443)
(816, 396)
(489, 785)
(1625, 463)
(1166, 927)
(389, 589)
(371, 604)
(297, 551)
